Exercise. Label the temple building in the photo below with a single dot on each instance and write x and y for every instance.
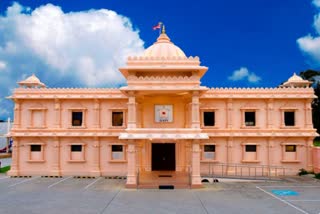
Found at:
(162, 122)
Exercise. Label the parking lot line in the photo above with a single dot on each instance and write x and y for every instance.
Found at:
(292, 186)
(284, 201)
(23, 181)
(89, 185)
(58, 182)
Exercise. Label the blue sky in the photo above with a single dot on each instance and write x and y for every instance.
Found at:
(248, 43)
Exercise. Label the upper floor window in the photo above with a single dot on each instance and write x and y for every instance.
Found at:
(35, 148)
(251, 148)
(291, 148)
(289, 118)
(77, 118)
(209, 118)
(76, 148)
(117, 118)
(250, 118)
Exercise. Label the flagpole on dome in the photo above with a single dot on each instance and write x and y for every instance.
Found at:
(160, 24)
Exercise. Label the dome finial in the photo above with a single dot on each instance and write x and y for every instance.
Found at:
(163, 29)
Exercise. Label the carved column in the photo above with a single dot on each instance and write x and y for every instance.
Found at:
(94, 151)
(57, 109)
(195, 162)
(308, 114)
(55, 158)
(96, 113)
(132, 110)
(17, 114)
(229, 113)
(270, 114)
(14, 171)
(195, 120)
(131, 167)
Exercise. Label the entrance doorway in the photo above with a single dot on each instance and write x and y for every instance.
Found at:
(163, 157)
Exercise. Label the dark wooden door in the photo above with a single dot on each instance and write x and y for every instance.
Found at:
(163, 156)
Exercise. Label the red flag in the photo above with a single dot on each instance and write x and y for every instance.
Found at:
(158, 26)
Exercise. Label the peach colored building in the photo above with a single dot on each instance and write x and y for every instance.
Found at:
(162, 121)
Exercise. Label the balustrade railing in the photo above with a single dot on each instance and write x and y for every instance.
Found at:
(242, 170)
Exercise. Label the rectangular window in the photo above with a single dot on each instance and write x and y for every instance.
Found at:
(291, 148)
(251, 148)
(209, 148)
(77, 118)
(35, 148)
(76, 148)
(209, 151)
(117, 118)
(208, 118)
(289, 118)
(250, 118)
(117, 152)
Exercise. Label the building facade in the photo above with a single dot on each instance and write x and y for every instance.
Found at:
(162, 121)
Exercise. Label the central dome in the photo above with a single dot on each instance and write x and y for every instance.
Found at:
(164, 48)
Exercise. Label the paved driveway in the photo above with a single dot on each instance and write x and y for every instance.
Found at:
(71, 195)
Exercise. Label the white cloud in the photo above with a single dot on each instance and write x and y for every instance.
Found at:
(310, 45)
(89, 46)
(83, 48)
(316, 3)
(244, 74)
(3, 65)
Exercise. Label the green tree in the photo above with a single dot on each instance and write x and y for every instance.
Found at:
(310, 75)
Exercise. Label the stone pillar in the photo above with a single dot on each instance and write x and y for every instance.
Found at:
(131, 168)
(94, 155)
(270, 114)
(14, 171)
(308, 114)
(132, 110)
(55, 158)
(229, 113)
(57, 109)
(17, 114)
(195, 120)
(195, 163)
(96, 113)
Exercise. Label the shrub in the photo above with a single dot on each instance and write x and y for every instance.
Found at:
(317, 175)
(303, 172)
(4, 169)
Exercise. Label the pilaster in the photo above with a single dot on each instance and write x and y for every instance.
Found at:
(131, 168)
(132, 110)
(96, 113)
(55, 158)
(195, 120)
(17, 114)
(195, 176)
(94, 151)
(14, 171)
(229, 113)
(57, 109)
